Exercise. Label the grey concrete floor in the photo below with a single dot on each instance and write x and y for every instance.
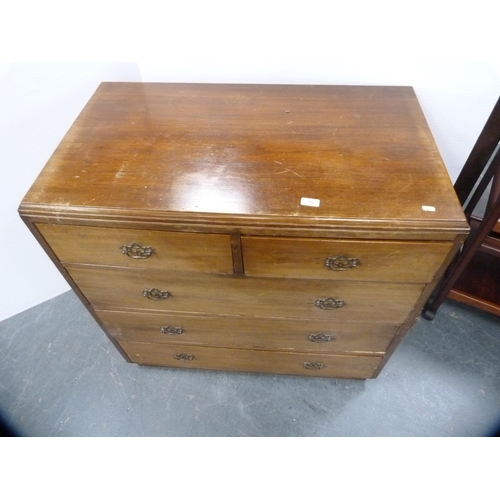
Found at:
(61, 376)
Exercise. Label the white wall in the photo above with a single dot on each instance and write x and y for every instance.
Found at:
(38, 103)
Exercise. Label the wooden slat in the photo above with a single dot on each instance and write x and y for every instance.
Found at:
(237, 254)
(376, 260)
(209, 253)
(250, 333)
(246, 360)
(260, 297)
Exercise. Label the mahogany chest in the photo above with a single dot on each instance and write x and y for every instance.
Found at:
(292, 229)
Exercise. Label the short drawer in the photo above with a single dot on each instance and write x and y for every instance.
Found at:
(200, 252)
(412, 262)
(114, 288)
(247, 360)
(250, 333)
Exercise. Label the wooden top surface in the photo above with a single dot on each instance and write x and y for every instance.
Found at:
(249, 152)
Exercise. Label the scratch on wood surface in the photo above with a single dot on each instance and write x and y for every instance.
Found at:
(291, 171)
(382, 260)
(120, 172)
(406, 186)
(393, 253)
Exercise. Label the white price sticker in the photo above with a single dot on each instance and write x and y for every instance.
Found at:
(309, 202)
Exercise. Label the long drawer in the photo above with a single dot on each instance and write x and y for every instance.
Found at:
(247, 360)
(356, 260)
(250, 333)
(115, 288)
(197, 252)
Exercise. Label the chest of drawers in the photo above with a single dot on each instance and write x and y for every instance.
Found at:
(264, 228)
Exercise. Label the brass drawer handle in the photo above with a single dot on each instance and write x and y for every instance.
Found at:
(183, 357)
(137, 251)
(320, 337)
(341, 263)
(172, 330)
(313, 365)
(329, 303)
(155, 294)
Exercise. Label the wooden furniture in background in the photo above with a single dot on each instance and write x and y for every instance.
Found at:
(287, 229)
(474, 277)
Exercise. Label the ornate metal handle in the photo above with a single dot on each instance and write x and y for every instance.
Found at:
(183, 357)
(329, 303)
(155, 294)
(172, 330)
(313, 365)
(341, 263)
(320, 337)
(137, 251)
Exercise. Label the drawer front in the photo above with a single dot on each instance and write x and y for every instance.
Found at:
(210, 253)
(412, 262)
(247, 360)
(250, 333)
(111, 288)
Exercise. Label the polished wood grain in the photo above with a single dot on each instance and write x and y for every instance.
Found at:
(216, 180)
(239, 332)
(209, 253)
(376, 260)
(247, 360)
(242, 151)
(213, 294)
